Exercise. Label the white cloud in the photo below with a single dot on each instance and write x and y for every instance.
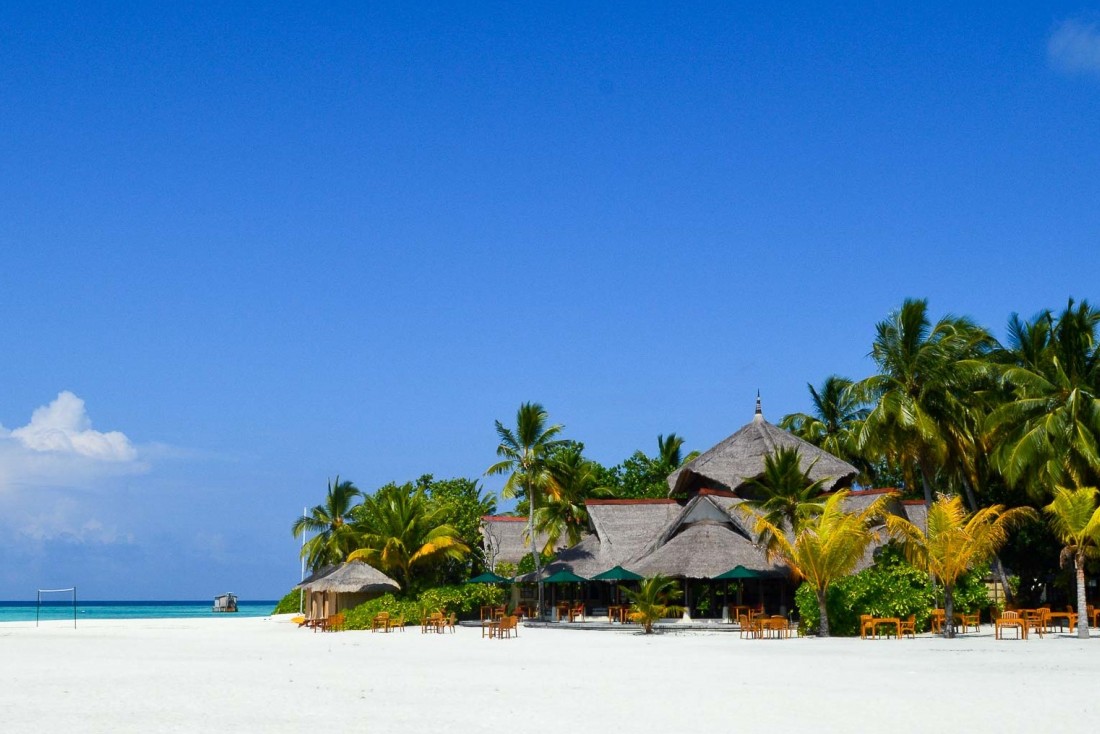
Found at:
(1074, 46)
(59, 447)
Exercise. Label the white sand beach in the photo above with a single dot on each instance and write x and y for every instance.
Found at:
(265, 675)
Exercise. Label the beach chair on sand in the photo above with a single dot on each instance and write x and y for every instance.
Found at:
(381, 621)
(909, 627)
(575, 611)
(335, 623)
(450, 621)
(396, 623)
(506, 627)
(1009, 620)
(866, 625)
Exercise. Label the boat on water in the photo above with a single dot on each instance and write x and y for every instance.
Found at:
(225, 603)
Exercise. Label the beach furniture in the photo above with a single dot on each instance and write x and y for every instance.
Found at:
(333, 623)
(434, 622)
(1068, 619)
(381, 621)
(1010, 620)
(966, 621)
(396, 623)
(866, 626)
(576, 611)
(505, 627)
(938, 618)
(450, 620)
(908, 627)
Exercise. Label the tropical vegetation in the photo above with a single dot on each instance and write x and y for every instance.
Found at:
(653, 601)
(1076, 521)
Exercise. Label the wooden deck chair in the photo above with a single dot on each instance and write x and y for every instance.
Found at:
(396, 623)
(909, 626)
(866, 624)
(381, 621)
(576, 611)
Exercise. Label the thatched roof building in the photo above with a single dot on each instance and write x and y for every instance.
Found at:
(699, 532)
(334, 588)
(739, 458)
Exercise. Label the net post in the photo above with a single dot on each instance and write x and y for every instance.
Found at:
(38, 608)
(74, 607)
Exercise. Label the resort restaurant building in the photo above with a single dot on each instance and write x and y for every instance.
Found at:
(696, 533)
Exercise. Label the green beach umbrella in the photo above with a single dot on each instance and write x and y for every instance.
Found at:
(564, 577)
(617, 574)
(737, 573)
(489, 578)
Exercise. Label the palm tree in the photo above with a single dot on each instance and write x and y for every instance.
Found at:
(573, 479)
(784, 494)
(1075, 519)
(835, 422)
(915, 395)
(334, 537)
(669, 456)
(524, 454)
(399, 533)
(955, 542)
(652, 601)
(1048, 434)
(826, 546)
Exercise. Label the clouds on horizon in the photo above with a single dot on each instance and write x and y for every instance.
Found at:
(58, 447)
(1074, 46)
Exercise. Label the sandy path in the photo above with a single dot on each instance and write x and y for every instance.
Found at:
(255, 675)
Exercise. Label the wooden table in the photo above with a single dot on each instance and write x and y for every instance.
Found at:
(562, 609)
(896, 621)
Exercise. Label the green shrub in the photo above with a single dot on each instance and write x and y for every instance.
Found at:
(289, 603)
(527, 563)
(464, 600)
(890, 588)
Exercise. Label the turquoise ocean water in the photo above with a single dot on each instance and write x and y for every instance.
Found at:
(24, 611)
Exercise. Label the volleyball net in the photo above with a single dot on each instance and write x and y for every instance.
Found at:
(38, 606)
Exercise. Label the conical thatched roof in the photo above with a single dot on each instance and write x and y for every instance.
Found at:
(704, 550)
(351, 578)
(740, 458)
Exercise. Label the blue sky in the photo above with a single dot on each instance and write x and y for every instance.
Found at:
(244, 249)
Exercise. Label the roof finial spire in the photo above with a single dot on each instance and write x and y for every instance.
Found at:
(759, 410)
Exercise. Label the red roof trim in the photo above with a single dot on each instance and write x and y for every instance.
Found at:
(881, 490)
(631, 502)
(912, 502)
(717, 493)
(502, 518)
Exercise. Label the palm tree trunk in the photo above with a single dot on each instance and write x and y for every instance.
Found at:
(948, 612)
(1082, 604)
(823, 625)
(925, 481)
(535, 552)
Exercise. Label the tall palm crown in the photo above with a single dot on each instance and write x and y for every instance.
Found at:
(669, 456)
(784, 494)
(334, 538)
(835, 422)
(1048, 433)
(573, 479)
(1075, 519)
(524, 454)
(915, 398)
(399, 533)
(826, 546)
(955, 541)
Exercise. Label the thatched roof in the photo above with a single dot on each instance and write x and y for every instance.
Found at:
(505, 538)
(704, 550)
(740, 458)
(626, 527)
(352, 578)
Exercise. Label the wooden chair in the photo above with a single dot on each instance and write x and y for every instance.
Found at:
(576, 611)
(966, 621)
(745, 625)
(938, 618)
(450, 621)
(505, 627)
(1038, 620)
(909, 627)
(1007, 620)
(398, 623)
(866, 624)
(381, 621)
(335, 623)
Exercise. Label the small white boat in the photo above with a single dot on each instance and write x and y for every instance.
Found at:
(225, 603)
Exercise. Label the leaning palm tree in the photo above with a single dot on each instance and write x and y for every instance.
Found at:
(333, 537)
(573, 480)
(955, 542)
(400, 533)
(652, 601)
(784, 494)
(1075, 519)
(914, 396)
(524, 455)
(826, 546)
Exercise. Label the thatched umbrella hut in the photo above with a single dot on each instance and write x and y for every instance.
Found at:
(740, 458)
(345, 586)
